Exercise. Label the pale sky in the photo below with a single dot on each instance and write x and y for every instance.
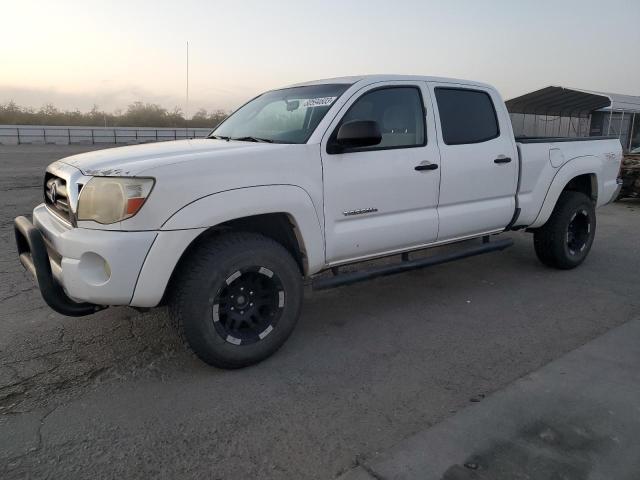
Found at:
(111, 52)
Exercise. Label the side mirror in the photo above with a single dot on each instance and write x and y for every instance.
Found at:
(356, 134)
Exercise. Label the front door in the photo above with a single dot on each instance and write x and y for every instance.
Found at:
(383, 198)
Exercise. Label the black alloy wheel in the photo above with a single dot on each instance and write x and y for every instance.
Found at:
(248, 306)
(578, 232)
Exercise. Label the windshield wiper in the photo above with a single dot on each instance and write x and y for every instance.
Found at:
(253, 139)
(219, 137)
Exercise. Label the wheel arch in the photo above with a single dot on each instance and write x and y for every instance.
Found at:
(586, 183)
(284, 213)
(279, 226)
(579, 174)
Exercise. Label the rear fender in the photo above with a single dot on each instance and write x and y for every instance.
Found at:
(587, 165)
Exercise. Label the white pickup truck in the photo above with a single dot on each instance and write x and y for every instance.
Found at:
(226, 230)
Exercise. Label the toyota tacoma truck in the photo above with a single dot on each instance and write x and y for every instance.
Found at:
(228, 230)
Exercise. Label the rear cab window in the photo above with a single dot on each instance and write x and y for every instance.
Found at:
(466, 115)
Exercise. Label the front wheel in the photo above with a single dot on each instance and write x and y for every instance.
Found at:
(565, 240)
(237, 298)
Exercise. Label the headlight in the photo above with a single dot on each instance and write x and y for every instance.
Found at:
(113, 199)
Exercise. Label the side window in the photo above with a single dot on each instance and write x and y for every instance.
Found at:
(466, 116)
(399, 112)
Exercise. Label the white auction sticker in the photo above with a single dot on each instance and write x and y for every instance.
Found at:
(318, 102)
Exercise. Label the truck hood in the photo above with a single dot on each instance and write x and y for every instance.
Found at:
(132, 160)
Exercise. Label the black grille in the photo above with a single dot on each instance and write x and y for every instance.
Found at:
(56, 196)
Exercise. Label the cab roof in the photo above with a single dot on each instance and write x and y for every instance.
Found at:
(367, 79)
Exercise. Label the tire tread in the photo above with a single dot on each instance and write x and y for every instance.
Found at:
(549, 239)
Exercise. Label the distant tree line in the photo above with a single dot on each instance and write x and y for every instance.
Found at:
(138, 114)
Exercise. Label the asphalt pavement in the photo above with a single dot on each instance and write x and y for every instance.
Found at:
(576, 418)
(369, 366)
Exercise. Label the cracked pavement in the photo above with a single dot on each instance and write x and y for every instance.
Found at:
(117, 393)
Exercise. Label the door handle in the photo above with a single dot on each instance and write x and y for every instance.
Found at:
(502, 160)
(427, 166)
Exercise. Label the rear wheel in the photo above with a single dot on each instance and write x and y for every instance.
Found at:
(565, 240)
(238, 297)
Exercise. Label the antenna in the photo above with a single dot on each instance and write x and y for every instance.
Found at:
(186, 113)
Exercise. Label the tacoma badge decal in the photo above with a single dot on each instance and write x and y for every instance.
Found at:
(359, 211)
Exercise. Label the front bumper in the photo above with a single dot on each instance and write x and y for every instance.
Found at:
(33, 255)
(79, 271)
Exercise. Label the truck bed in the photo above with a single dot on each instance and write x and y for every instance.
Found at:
(543, 161)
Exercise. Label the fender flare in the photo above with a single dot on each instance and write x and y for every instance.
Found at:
(585, 165)
(189, 222)
(228, 205)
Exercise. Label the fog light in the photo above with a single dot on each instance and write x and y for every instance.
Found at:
(94, 269)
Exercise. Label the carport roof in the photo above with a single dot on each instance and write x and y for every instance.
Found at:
(563, 101)
(626, 103)
(558, 101)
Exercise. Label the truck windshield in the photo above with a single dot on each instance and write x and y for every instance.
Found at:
(289, 115)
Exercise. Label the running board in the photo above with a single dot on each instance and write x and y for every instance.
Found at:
(339, 279)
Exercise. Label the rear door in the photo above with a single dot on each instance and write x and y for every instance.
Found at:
(375, 199)
(479, 164)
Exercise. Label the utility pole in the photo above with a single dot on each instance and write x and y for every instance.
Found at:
(186, 113)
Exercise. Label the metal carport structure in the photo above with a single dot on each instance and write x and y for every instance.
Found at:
(571, 112)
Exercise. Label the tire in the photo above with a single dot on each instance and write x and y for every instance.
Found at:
(237, 298)
(565, 240)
